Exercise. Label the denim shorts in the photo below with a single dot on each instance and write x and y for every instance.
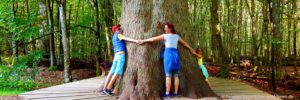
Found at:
(118, 64)
(173, 73)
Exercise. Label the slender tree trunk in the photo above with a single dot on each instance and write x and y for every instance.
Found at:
(65, 40)
(295, 32)
(239, 30)
(97, 26)
(234, 33)
(43, 15)
(108, 14)
(277, 36)
(289, 25)
(143, 78)
(51, 27)
(294, 6)
(264, 30)
(253, 16)
(216, 40)
(60, 50)
(108, 42)
(14, 42)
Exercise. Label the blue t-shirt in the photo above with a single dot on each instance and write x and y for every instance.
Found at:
(118, 43)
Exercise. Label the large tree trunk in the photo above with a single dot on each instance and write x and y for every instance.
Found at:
(67, 76)
(144, 76)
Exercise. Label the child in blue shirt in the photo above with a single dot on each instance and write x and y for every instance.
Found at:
(119, 46)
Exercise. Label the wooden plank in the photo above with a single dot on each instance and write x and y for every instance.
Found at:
(84, 90)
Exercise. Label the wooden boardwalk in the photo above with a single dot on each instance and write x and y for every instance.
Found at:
(85, 90)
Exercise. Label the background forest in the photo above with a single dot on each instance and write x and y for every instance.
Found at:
(75, 34)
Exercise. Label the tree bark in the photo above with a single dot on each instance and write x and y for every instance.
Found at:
(108, 14)
(265, 30)
(253, 16)
(51, 27)
(277, 36)
(97, 27)
(14, 42)
(295, 20)
(65, 40)
(43, 15)
(216, 39)
(289, 26)
(143, 78)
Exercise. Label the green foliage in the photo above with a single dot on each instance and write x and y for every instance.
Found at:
(10, 92)
(21, 74)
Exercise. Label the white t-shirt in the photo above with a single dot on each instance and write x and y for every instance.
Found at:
(171, 40)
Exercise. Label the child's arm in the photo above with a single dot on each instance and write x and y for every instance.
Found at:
(121, 37)
(157, 38)
(181, 41)
(198, 55)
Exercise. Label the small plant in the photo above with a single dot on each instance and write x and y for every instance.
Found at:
(52, 68)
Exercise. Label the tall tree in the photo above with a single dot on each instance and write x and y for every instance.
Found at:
(65, 40)
(108, 15)
(295, 20)
(216, 41)
(50, 4)
(253, 16)
(277, 36)
(143, 78)
(43, 26)
(14, 40)
(295, 32)
(97, 27)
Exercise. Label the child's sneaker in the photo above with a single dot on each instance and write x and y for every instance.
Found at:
(108, 92)
(167, 96)
(103, 92)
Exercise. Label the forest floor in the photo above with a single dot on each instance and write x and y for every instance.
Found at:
(287, 87)
(285, 94)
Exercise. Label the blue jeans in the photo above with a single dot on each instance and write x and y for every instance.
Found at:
(118, 64)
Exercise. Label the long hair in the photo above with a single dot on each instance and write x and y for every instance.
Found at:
(171, 26)
(199, 50)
